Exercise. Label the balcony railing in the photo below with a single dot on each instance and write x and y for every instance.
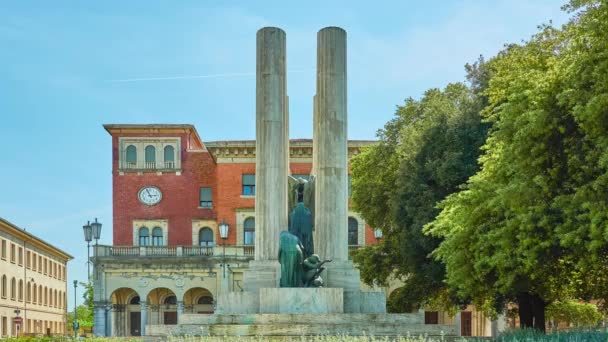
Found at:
(150, 165)
(246, 251)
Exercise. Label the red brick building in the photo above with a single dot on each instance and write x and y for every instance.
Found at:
(197, 183)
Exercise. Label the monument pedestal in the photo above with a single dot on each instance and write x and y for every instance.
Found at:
(301, 301)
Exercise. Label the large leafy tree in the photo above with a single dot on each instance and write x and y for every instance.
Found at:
(530, 226)
(424, 154)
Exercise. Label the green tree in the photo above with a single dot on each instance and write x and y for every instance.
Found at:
(84, 315)
(425, 153)
(580, 315)
(530, 225)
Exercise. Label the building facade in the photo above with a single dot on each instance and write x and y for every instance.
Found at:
(33, 284)
(171, 193)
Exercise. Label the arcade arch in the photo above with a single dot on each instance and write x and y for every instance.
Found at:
(126, 312)
(198, 300)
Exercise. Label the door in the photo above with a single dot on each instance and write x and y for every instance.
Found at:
(135, 323)
(171, 317)
(466, 323)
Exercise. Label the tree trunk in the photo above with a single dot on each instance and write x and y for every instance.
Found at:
(538, 310)
(526, 317)
(531, 311)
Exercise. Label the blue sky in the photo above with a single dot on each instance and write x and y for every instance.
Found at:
(67, 67)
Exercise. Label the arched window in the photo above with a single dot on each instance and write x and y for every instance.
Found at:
(205, 300)
(249, 227)
(144, 236)
(157, 236)
(131, 157)
(205, 237)
(134, 301)
(171, 300)
(34, 296)
(353, 231)
(150, 157)
(20, 291)
(3, 286)
(169, 153)
(28, 293)
(13, 288)
(40, 294)
(45, 296)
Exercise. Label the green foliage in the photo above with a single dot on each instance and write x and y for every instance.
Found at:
(533, 219)
(84, 315)
(425, 153)
(88, 295)
(575, 313)
(528, 335)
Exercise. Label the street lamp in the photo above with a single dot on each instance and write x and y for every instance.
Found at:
(224, 228)
(378, 233)
(88, 237)
(91, 231)
(96, 226)
(75, 324)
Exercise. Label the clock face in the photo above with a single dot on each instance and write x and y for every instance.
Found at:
(150, 195)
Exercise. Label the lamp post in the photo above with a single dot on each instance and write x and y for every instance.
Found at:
(224, 228)
(378, 234)
(75, 324)
(91, 231)
(88, 237)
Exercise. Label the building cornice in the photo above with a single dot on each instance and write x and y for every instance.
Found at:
(32, 239)
(300, 150)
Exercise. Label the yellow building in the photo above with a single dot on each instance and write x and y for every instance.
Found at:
(33, 284)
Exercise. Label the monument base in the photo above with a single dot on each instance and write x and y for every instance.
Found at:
(294, 300)
(261, 274)
(302, 325)
(301, 301)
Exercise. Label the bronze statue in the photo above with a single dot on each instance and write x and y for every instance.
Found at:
(301, 219)
(290, 257)
(313, 267)
(301, 190)
(300, 225)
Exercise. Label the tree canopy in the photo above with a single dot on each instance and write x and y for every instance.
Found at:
(424, 154)
(530, 226)
(517, 213)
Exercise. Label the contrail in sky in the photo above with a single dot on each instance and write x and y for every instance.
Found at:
(234, 74)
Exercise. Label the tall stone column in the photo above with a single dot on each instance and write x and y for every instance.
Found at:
(272, 148)
(180, 309)
(330, 159)
(99, 319)
(330, 123)
(144, 317)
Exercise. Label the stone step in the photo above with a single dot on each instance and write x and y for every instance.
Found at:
(348, 318)
(300, 328)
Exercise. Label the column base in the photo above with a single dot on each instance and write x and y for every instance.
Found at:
(261, 274)
(99, 319)
(342, 274)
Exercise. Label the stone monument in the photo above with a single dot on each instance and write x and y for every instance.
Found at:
(273, 294)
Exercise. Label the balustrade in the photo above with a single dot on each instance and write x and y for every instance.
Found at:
(246, 251)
